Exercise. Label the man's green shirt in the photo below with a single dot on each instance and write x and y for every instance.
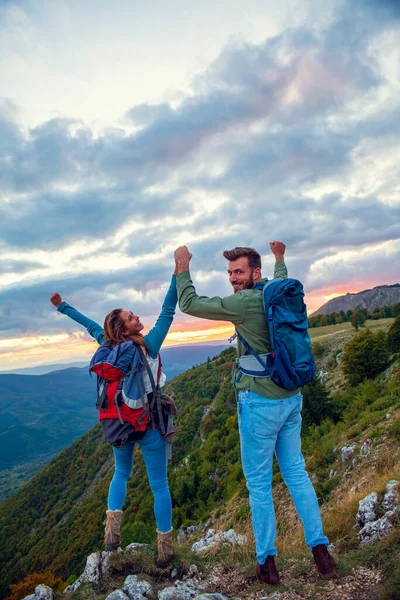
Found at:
(245, 310)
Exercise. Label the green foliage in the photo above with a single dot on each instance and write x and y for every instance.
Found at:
(143, 533)
(356, 317)
(53, 523)
(396, 309)
(393, 336)
(56, 520)
(365, 395)
(317, 404)
(365, 356)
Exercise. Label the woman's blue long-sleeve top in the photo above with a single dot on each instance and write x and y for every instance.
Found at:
(154, 338)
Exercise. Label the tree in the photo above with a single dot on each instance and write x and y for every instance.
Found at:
(388, 312)
(393, 336)
(357, 319)
(317, 404)
(365, 356)
(396, 309)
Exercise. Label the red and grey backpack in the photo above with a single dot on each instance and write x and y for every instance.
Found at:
(122, 401)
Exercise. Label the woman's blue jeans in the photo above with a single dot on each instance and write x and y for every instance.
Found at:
(153, 448)
(268, 426)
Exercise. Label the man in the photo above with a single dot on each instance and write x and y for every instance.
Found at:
(269, 416)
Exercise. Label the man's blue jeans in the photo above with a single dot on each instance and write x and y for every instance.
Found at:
(268, 426)
(154, 452)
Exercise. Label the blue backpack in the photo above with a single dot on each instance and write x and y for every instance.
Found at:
(290, 364)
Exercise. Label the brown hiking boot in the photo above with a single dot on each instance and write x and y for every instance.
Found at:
(324, 562)
(267, 572)
(112, 532)
(165, 549)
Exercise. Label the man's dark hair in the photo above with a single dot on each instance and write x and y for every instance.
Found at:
(253, 258)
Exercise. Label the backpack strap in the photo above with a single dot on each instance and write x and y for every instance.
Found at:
(156, 400)
(265, 361)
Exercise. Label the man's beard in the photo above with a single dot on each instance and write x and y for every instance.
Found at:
(247, 285)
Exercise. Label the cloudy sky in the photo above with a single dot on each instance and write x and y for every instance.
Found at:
(129, 128)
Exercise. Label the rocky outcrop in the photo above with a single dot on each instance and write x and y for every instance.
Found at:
(97, 566)
(372, 526)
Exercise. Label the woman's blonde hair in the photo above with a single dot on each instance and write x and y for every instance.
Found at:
(114, 330)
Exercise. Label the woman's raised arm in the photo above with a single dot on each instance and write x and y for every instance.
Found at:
(93, 328)
(155, 337)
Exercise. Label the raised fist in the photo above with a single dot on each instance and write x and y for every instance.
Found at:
(56, 299)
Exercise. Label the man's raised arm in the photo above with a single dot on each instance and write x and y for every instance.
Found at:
(278, 250)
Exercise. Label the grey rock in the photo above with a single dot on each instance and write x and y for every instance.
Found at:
(323, 375)
(135, 589)
(366, 447)
(391, 499)
(181, 535)
(374, 531)
(181, 590)
(332, 473)
(42, 592)
(117, 595)
(213, 538)
(346, 452)
(388, 416)
(367, 510)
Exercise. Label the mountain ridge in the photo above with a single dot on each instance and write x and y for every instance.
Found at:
(377, 297)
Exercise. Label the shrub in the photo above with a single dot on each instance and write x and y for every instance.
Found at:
(27, 586)
(365, 356)
(318, 348)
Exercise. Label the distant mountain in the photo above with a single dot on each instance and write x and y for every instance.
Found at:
(43, 369)
(378, 297)
(42, 414)
(177, 359)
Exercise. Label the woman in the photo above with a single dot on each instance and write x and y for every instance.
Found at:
(121, 326)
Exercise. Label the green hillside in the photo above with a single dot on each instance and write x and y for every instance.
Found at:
(56, 520)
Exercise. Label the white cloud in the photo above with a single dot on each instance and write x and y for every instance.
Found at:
(284, 126)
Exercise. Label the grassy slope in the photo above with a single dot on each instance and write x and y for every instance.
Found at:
(206, 479)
